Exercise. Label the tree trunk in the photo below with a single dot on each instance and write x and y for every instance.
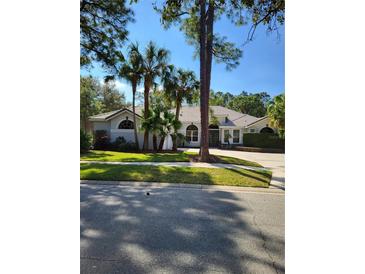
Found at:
(160, 146)
(177, 113)
(134, 89)
(208, 54)
(204, 150)
(154, 139)
(146, 113)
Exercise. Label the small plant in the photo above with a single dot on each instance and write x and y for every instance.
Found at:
(85, 141)
(102, 141)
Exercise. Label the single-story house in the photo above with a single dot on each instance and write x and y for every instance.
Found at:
(228, 128)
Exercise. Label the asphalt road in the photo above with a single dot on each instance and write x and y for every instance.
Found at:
(180, 230)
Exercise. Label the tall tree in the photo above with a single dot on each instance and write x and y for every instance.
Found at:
(196, 20)
(180, 85)
(89, 100)
(153, 63)
(276, 113)
(111, 98)
(254, 104)
(103, 30)
(220, 98)
(132, 71)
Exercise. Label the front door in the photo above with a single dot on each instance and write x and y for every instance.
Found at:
(213, 138)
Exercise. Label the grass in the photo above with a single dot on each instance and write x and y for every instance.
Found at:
(184, 175)
(113, 156)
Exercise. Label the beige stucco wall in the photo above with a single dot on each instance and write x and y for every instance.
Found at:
(258, 126)
(231, 133)
(182, 130)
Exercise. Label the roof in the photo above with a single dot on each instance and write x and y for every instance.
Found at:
(234, 118)
(190, 114)
(258, 120)
(109, 115)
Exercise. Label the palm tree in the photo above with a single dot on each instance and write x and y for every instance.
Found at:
(180, 85)
(132, 72)
(153, 62)
(169, 126)
(276, 113)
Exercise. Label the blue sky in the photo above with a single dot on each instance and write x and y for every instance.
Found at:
(261, 67)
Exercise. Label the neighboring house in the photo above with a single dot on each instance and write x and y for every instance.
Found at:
(229, 127)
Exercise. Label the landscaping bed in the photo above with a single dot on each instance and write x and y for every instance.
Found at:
(183, 175)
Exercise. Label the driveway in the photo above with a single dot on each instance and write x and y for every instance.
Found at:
(274, 161)
(181, 229)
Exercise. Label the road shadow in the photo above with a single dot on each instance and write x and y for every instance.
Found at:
(172, 230)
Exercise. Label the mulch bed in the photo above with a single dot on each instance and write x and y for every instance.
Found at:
(212, 159)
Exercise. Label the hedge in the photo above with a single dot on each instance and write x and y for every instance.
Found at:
(263, 140)
(85, 141)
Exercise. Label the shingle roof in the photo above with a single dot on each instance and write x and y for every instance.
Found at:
(258, 120)
(108, 115)
(192, 114)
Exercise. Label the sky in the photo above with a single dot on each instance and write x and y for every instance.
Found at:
(261, 67)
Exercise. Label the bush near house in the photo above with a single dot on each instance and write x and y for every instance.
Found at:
(85, 141)
(120, 144)
(102, 141)
(263, 140)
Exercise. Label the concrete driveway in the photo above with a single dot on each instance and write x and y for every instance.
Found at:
(273, 161)
(181, 230)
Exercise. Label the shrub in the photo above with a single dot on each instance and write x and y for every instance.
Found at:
(263, 140)
(120, 144)
(102, 141)
(85, 141)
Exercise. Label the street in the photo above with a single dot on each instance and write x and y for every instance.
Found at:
(181, 229)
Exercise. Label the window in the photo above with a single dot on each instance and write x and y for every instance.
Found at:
(252, 130)
(226, 135)
(126, 124)
(192, 133)
(236, 136)
(267, 130)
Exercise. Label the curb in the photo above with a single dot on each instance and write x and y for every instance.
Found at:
(151, 185)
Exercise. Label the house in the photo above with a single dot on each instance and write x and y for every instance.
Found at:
(227, 126)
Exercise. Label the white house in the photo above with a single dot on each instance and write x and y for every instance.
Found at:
(229, 130)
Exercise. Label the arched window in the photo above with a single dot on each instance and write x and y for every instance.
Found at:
(267, 130)
(126, 124)
(192, 133)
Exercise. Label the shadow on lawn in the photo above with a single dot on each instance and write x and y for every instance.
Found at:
(137, 157)
(172, 230)
(146, 173)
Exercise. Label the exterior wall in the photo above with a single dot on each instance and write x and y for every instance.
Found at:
(182, 130)
(221, 134)
(221, 131)
(128, 134)
(101, 126)
(258, 126)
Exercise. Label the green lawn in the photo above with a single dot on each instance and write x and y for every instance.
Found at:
(113, 156)
(187, 175)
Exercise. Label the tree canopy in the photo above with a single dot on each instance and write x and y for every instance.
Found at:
(276, 113)
(96, 97)
(103, 30)
(185, 14)
(254, 104)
